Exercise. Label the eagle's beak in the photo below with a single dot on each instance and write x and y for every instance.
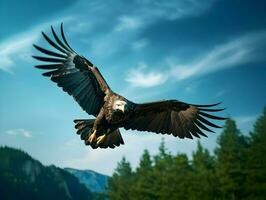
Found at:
(123, 108)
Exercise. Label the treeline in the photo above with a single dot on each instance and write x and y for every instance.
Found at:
(236, 170)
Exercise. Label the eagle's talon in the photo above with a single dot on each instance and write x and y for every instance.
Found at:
(93, 137)
(100, 139)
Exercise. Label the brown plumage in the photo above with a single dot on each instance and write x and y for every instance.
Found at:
(81, 79)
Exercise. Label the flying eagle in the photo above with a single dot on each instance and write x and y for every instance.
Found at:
(81, 79)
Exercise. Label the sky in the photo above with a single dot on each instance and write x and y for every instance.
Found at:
(199, 52)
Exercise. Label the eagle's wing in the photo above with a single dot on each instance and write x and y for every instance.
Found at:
(75, 74)
(172, 117)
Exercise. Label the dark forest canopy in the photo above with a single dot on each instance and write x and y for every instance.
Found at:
(236, 170)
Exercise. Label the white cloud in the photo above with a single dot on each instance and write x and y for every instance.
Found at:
(140, 44)
(20, 132)
(128, 23)
(173, 9)
(138, 78)
(114, 28)
(20, 46)
(16, 45)
(233, 53)
(244, 49)
(144, 13)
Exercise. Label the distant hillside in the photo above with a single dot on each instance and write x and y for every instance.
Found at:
(96, 182)
(22, 177)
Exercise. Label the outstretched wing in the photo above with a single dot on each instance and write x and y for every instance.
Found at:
(75, 74)
(173, 117)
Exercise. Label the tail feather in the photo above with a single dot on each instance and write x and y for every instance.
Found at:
(84, 129)
(112, 140)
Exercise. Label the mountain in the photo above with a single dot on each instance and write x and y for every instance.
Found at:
(22, 177)
(94, 181)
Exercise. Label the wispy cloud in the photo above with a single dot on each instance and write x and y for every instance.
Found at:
(140, 77)
(233, 53)
(174, 9)
(139, 44)
(119, 27)
(144, 13)
(244, 49)
(19, 47)
(20, 132)
(128, 23)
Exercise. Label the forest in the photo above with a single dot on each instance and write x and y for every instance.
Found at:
(235, 170)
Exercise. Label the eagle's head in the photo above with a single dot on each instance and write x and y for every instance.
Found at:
(120, 106)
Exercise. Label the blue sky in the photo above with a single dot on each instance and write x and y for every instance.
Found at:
(195, 51)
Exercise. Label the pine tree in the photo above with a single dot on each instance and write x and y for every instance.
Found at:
(256, 164)
(203, 183)
(162, 172)
(145, 163)
(163, 156)
(231, 161)
(120, 184)
(179, 178)
(144, 178)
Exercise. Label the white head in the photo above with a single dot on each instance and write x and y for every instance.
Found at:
(119, 105)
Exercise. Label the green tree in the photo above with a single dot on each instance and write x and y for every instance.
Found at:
(164, 158)
(120, 184)
(162, 169)
(144, 178)
(179, 178)
(172, 175)
(231, 158)
(256, 164)
(202, 183)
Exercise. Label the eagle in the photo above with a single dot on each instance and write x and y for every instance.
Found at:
(81, 79)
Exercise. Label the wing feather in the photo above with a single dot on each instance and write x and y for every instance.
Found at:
(54, 44)
(52, 66)
(50, 53)
(73, 73)
(64, 38)
(173, 117)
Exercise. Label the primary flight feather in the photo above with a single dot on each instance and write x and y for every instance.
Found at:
(81, 79)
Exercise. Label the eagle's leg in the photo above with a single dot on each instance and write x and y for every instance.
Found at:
(100, 139)
(93, 137)
(97, 123)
